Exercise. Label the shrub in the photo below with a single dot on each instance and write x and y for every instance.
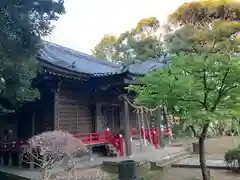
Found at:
(232, 159)
(50, 149)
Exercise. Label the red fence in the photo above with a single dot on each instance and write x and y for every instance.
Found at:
(92, 138)
(151, 135)
(11, 146)
(95, 138)
(102, 137)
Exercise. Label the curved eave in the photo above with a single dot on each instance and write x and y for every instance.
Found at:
(141, 74)
(69, 72)
(63, 76)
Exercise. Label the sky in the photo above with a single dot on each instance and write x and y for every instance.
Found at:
(86, 21)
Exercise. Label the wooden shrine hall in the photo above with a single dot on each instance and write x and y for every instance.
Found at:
(78, 94)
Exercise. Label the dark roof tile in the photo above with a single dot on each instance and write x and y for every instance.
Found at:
(76, 61)
(145, 67)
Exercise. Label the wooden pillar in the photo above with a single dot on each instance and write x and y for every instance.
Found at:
(31, 165)
(33, 123)
(98, 118)
(128, 146)
(10, 159)
(77, 115)
(159, 120)
(55, 114)
(19, 160)
(1, 158)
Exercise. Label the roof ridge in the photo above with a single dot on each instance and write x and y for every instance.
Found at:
(78, 53)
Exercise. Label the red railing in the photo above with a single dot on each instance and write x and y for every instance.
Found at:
(102, 137)
(92, 138)
(11, 145)
(116, 141)
(152, 134)
(89, 138)
(96, 137)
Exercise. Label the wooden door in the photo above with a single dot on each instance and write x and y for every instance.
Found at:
(111, 116)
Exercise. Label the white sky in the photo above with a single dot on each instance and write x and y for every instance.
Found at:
(86, 21)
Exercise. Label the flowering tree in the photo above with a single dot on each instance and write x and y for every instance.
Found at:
(50, 149)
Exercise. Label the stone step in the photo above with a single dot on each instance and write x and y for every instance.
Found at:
(112, 165)
(167, 161)
(111, 150)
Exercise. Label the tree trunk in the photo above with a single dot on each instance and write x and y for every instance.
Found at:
(202, 159)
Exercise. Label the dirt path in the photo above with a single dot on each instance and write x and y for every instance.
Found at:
(194, 174)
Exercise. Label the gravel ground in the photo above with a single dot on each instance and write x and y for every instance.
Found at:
(85, 174)
(215, 149)
(169, 174)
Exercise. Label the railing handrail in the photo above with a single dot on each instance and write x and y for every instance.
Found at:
(87, 134)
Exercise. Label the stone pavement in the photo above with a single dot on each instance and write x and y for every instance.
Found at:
(193, 162)
(150, 153)
(145, 154)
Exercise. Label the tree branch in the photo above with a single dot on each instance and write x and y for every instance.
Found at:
(186, 100)
(194, 131)
(227, 88)
(221, 90)
(205, 89)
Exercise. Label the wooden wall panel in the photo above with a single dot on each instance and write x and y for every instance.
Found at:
(46, 111)
(74, 112)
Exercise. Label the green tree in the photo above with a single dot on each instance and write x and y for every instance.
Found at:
(201, 78)
(22, 24)
(139, 44)
(106, 49)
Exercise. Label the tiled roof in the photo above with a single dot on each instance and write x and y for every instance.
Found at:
(145, 67)
(77, 62)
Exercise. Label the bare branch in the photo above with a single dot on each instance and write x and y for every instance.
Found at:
(228, 88)
(31, 162)
(49, 149)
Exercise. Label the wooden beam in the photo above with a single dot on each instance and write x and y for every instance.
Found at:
(55, 112)
(128, 145)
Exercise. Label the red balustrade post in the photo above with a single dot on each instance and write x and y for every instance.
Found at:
(120, 143)
(142, 132)
(154, 137)
(90, 137)
(107, 134)
(148, 135)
